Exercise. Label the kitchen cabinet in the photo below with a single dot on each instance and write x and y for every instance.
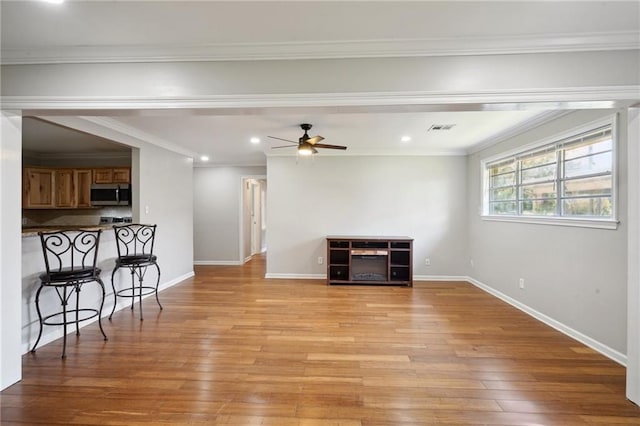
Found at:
(64, 193)
(83, 179)
(38, 188)
(112, 175)
(61, 188)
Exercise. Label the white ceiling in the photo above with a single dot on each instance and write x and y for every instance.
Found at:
(100, 31)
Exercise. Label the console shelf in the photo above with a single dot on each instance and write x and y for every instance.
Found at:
(369, 260)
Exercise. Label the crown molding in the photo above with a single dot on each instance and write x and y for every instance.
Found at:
(489, 100)
(450, 46)
(375, 152)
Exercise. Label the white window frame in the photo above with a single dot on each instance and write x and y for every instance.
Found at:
(604, 223)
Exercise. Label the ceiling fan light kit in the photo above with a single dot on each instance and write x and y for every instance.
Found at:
(307, 145)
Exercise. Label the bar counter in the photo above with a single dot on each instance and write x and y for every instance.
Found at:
(33, 230)
(33, 266)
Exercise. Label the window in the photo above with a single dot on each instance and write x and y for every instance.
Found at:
(572, 177)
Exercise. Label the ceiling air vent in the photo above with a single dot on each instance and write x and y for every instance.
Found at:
(441, 127)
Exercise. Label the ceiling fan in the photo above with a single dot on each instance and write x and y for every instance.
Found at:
(307, 145)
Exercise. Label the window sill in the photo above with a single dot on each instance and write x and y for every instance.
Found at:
(557, 221)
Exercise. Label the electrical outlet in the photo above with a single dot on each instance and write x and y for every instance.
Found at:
(521, 283)
(472, 263)
(320, 260)
(427, 261)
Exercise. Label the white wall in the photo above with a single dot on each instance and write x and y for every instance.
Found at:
(164, 183)
(10, 196)
(529, 75)
(575, 276)
(420, 197)
(216, 213)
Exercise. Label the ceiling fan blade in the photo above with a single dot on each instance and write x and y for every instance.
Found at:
(324, 145)
(314, 140)
(286, 140)
(284, 146)
(315, 151)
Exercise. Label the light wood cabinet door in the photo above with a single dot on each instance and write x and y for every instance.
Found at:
(82, 180)
(64, 193)
(102, 175)
(112, 175)
(122, 175)
(38, 188)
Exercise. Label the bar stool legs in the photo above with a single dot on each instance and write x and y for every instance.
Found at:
(135, 251)
(64, 321)
(139, 272)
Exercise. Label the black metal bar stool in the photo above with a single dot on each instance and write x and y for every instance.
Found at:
(135, 251)
(70, 261)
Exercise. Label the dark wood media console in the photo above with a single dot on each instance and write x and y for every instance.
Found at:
(370, 260)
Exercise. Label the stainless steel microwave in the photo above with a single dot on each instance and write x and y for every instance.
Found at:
(111, 194)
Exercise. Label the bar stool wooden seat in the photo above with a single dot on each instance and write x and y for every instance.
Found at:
(70, 262)
(135, 252)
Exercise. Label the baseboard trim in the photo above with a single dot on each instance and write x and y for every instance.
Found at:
(324, 277)
(296, 276)
(56, 333)
(574, 334)
(217, 263)
(440, 278)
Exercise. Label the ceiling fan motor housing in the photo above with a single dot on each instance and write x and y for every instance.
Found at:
(305, 137)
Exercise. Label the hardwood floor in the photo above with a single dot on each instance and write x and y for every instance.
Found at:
(233, 348)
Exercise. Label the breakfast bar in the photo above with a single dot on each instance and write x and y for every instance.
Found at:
(33, 266)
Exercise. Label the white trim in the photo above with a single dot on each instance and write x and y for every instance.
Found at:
(506, 99)
(217, 262)
(420, 47)
(556, 221)
(324, 277)
(608, 223)
(584, 127)
(633, 255)
(440, 278)
(605, 350)
(296, 276)
(209, 164)
(377, 152)
(175, 281)
(56, 332)
(241, 247)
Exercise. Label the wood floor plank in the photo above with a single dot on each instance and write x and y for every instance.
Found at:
(233, 348)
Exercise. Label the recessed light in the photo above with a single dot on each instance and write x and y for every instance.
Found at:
(53, 1)
(254, 140)
(405, 138)
(204, 158)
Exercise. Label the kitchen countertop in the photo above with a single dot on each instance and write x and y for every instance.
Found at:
(33, 230)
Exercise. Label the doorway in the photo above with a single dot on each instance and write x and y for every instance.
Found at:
(254, 221)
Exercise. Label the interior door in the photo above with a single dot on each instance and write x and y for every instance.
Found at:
(256, 220)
